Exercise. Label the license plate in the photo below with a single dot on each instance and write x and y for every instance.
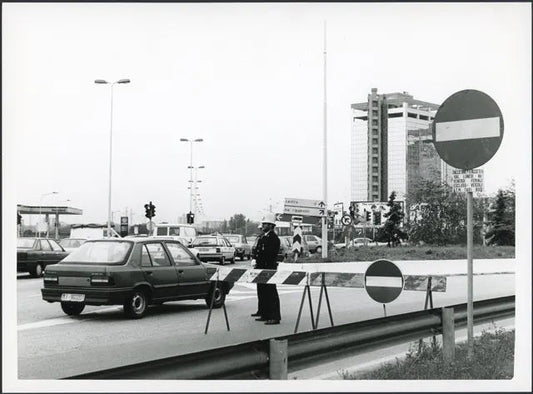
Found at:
(73, 297)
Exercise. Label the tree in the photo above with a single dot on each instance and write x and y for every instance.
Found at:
(440, 214)
(391, 230)
(502, 219)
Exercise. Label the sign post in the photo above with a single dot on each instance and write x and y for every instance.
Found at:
(467, 132)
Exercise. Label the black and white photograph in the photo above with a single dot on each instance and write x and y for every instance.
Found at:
(323, 197)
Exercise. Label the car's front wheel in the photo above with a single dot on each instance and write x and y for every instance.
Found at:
(220, 297)
(37, 271)
(136, 305)
(72, 308)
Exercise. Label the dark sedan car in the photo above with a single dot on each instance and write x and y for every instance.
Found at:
(134, 272)
(34, 254)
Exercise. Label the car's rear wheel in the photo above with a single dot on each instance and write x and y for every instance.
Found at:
(37, 271)
(136, 305)
(220, 297)
(72, 308)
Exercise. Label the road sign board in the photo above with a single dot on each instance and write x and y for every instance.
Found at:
(301, 202)
(308, 211)
(287, 217)
(467, 129)
(468, 181)
(383, 281)
(346, 220)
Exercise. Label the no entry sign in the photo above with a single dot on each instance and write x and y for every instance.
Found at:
(383, 281)
(468, 129)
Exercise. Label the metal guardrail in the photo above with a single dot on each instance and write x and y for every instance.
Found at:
(251, 360)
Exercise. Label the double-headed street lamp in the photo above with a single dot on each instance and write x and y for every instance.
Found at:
(191, 180)
(104, 82)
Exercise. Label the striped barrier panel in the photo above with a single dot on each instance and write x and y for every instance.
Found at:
(333, 279)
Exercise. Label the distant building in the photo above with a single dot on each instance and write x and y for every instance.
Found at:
(379, 145)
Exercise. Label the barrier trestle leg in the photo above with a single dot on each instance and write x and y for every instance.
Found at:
(323, 289)
(211, 303)
(429, 300)
(307, 291)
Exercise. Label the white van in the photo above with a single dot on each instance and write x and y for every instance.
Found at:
(185, 233)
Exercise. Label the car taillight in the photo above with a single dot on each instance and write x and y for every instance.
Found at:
(218, 250)
(101, 280)
(50, 278)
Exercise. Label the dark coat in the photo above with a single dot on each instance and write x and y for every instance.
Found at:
(267, 251)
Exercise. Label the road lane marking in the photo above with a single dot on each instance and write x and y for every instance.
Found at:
(45, 323)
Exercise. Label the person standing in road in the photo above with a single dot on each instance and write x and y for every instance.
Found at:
(266, 258)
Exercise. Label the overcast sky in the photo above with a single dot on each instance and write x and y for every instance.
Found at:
(248, 79)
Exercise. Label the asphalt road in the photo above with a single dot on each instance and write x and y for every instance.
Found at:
(53, 345)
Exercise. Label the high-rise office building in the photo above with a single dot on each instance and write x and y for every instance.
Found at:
(379, 144)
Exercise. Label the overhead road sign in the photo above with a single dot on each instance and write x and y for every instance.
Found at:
(304, 211)
(287, 217)
(302, 202)
(383, 281)
(467, 129)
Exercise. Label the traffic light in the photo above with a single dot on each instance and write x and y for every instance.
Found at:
(352, 211)
(152, 209)
(377, 218)
(367, 215)
(19, 218)
(148, 208)
(190, 218)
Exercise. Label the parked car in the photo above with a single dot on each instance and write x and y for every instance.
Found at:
(358, 242)
(314, 242)
(70, 244)
(242, 247)
(34, 254)
(134, 272)
(213, 247)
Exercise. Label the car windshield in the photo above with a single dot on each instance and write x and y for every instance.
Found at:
(70, 243)
(25, 243)
(207, 241)
(234, 239)
(105, 252)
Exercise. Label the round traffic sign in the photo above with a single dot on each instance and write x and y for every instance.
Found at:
(383, 281)
(346, 220)
(467, 129)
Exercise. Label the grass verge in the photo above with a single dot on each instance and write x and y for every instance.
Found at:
(372, 253)
(493, 359)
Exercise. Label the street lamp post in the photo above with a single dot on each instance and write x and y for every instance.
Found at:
(102, 81)
(191, 180)
(41, 208)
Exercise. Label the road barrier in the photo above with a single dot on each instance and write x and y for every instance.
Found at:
(272, 358)
(331, 279)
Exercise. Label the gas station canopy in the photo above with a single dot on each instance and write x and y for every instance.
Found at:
(48, 210)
